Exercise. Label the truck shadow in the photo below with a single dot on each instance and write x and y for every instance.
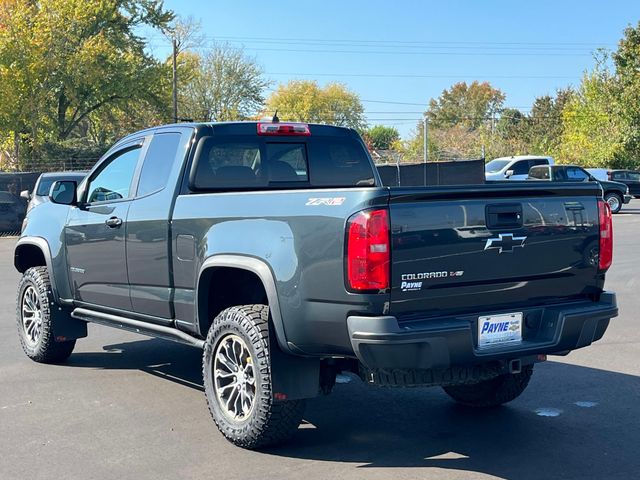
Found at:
(572, 422)
(161, 358)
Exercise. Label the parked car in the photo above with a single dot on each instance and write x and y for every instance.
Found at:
(43, 185)
(615, 193)
(12, 211)
(513, 168)
(631, 178)
(275, 248)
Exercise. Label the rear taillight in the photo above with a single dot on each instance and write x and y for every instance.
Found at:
(290, 129)
(606, 236)
(368, 250)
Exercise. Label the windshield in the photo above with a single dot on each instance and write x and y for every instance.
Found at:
(496, 165)
(45, 186)
(45, 182)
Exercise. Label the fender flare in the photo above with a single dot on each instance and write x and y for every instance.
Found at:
(43, 245)
(264, 273)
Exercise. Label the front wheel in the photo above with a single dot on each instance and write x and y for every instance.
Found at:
(493, 392)
(236, 370)
(35, 323)
(615, 202)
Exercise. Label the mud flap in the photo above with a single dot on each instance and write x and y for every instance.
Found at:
(65, 327)
(294, 378)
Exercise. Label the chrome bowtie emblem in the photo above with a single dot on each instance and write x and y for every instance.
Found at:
(505, 242)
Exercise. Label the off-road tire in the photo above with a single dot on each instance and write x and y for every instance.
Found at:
(493, 392)
(609, 196)
(46, 349)
(271, 421)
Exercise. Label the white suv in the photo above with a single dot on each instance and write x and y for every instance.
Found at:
(513, 168)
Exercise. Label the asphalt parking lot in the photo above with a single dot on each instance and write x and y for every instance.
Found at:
(127, 406)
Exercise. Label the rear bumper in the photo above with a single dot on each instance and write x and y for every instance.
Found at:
(627, 199)
(382, 343)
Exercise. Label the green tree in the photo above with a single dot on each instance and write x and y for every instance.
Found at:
(64, 61)
(545, 126)
(222, 85)
(471, 106)
(381, 137)
(305, 101)
(627, 63)
(594, 131)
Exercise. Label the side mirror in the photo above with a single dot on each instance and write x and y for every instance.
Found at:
(25, 194)
(64, 192)
(509, 173)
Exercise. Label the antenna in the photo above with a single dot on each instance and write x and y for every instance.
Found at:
(275, 118)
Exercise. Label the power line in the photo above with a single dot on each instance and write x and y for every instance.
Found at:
(399, 42)
(373, 52)
(409, 75)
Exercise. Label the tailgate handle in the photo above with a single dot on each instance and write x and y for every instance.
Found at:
(504, 215)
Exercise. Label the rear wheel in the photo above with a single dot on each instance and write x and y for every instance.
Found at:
(236, 369)
(35, 323)
(615, 202)
(493, 392)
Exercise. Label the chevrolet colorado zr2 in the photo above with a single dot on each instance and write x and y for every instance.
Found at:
(275, 249)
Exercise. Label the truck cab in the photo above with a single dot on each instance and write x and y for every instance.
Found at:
(616, 194)
(513, 168)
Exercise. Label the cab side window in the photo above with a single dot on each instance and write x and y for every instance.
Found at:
(158, 162)
(113, 180)
(633, 176)
(576, 174)
(541, 173)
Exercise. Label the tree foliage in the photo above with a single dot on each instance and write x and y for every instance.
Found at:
(381, 137)
(470, 106)
(306, 101)
(64, 62)
(593, 130)
(627, 63)
(221, 85)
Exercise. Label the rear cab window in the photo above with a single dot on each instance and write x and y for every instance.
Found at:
(230, 158)
(540, 173)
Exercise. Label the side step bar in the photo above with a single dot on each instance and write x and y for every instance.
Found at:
(136, 326)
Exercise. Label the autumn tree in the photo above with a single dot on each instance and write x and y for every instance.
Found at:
(306, 101)
(470, 106)
(381, 137)
(64, 61)
(221, 85)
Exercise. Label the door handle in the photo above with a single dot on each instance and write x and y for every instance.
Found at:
(114, 222)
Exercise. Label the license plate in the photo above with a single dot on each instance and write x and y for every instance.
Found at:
(502, 329)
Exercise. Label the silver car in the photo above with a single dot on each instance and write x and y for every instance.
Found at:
(43, 185)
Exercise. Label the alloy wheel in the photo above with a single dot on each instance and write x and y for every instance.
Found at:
(234, 378)
(31, 316)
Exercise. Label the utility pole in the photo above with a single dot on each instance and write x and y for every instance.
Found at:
(426, 132)
(426, 147)
(175, 80)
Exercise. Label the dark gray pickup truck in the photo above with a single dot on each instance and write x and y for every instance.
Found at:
(275, 248)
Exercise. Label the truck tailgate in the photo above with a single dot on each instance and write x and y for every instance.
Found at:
(491, 248)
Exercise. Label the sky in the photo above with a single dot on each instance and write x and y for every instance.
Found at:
(398, 55)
